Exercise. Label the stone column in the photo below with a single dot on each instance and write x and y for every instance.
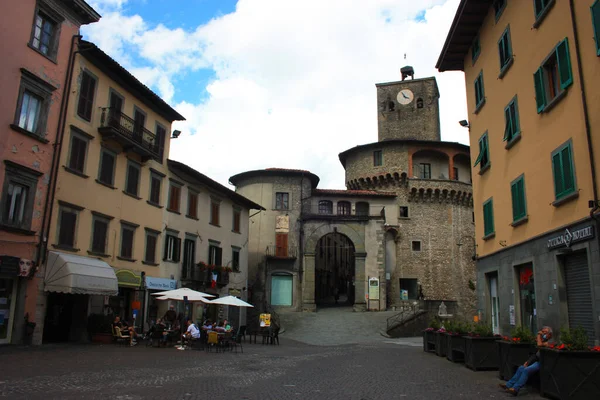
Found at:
(308, 289)
(360, 282)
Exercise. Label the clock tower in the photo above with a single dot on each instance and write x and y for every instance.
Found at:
(408, 109)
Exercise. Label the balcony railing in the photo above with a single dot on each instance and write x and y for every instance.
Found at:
(359, 211)
(204, 276)
(124, 129)
(282, 252)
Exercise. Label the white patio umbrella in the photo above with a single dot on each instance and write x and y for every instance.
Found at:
(182, 292)
(230, 301)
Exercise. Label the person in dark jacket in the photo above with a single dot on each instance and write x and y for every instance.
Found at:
(530, 367)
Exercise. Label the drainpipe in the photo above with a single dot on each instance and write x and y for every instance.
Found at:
(41, 253)
(588, 131)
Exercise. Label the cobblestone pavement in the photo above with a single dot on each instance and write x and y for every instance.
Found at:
(385, 369)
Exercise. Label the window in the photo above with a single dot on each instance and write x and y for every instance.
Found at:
(595, 9)
(377, 158)
(192, 204)
(127, 234)
(174, 197)
(362, 208)
(235, 259)
(540, 7)
(455, 174)
(150, 253)
(483, 159)
(106, 174)
(416, 245)
(282, 201)
(215, 254)
(553, 77)
(403, 212)
(18, 195)
(86, 96)
(419, 103)
(499, 6)
(325, 207)
(215, 207)
(511, 119)
(488, 218)
(46, 31)
(479, 92)
(563, 171)
(344, 208)
(133, 178)
(425, 171)
(172, 247)
(77, 153)
(161, 134)
(475, 49)
(67, 226)
(155, 181)
(115, 101)
(282, 289)
(99, 234)
(189, 257)
(505, 51)
(32, 105)
(139, 121)
(519, 205)
(237, 213)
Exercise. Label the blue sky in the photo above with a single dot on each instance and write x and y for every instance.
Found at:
(278, 83)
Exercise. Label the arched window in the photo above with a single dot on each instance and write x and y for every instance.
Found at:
(391, 106)
(362, 208)
(419, 103)
(325, 207)
(343, 208)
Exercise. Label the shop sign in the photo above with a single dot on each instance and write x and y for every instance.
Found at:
(160, 284)
(571, 236)
(374, 288)
(128, 278)
(9, 265)
(265, 320)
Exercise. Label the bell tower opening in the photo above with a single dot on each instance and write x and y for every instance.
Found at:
(334, 271)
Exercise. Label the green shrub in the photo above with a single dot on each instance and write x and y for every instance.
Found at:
(435, 324)
(574, 339)
(522, 334)
(482, 330)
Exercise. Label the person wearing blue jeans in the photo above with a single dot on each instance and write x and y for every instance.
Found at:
(530, 367)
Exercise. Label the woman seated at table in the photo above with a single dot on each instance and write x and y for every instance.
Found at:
(125, 330)
(227, 326)
(208, 325)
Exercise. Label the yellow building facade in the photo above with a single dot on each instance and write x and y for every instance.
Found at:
(530, 69)
(109, 199)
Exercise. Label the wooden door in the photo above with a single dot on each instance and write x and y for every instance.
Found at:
(281, 244)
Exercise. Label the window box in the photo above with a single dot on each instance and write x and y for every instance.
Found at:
(429, 341)
(441, 344)
(455, 351)
(481, 353)
(511, 355)
(570, 374)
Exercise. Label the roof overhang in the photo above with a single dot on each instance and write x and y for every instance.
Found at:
(69, 273)
(467, 21)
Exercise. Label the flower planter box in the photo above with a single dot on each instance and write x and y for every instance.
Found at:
(455, 351)
(572, 375)
(429, 341)
(511, 355)
(441, 343)
(481, 353)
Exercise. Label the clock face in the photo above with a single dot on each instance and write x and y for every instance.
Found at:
(405, 96)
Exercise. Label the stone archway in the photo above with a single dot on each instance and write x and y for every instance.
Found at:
(355, 234)
(334, 271)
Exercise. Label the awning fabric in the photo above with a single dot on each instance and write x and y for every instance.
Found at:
(68, 273)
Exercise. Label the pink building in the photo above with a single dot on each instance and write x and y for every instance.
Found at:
(37, 40)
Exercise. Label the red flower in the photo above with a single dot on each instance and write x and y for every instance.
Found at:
(561, 347)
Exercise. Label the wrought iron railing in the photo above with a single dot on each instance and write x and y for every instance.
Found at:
(282, 252)
(128, 128)
(342, 211)
(204, 276)
(405, 313)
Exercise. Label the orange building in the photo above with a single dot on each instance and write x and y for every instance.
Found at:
(37, 40)
(531, 70)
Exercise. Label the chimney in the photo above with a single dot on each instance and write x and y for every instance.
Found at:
(407, 71)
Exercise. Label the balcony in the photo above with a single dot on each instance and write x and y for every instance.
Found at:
(342, 211)
(124, 130)
(282, 253)
(203, 277)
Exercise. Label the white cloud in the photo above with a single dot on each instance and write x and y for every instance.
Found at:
(294, 83)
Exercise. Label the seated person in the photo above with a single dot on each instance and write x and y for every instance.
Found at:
(226, 326)
(530, 367)
(219, 327)
(208, 325)
(125, 330)
(170, 316)
(191, 333)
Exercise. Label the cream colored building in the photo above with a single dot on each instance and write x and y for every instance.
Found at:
(110, 199)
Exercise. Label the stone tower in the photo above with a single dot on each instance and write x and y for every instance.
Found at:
(408, 109)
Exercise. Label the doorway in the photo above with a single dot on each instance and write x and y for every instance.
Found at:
(334, 271)
(527, 297)
(66, 317)
(494, 302)
(7, 294)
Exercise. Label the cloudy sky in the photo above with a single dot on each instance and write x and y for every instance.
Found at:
(278, 83)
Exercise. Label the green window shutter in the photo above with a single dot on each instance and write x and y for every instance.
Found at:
(508, 132)
(518, 199)
(540, 93)
(523, 201)
(486, 150)
(481, 152)
(596, 23)
(514, 119)
(567, 170)
(558, 176)
(481, 88)
(514, 191)
(564, 64)
(477, 91)
(488, 218)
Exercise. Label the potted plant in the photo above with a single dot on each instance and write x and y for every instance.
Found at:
(441, 338)
(480, 348)
(571, 369)
(455, 351)
(513, 351)
(99, 327)
(429, 335)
